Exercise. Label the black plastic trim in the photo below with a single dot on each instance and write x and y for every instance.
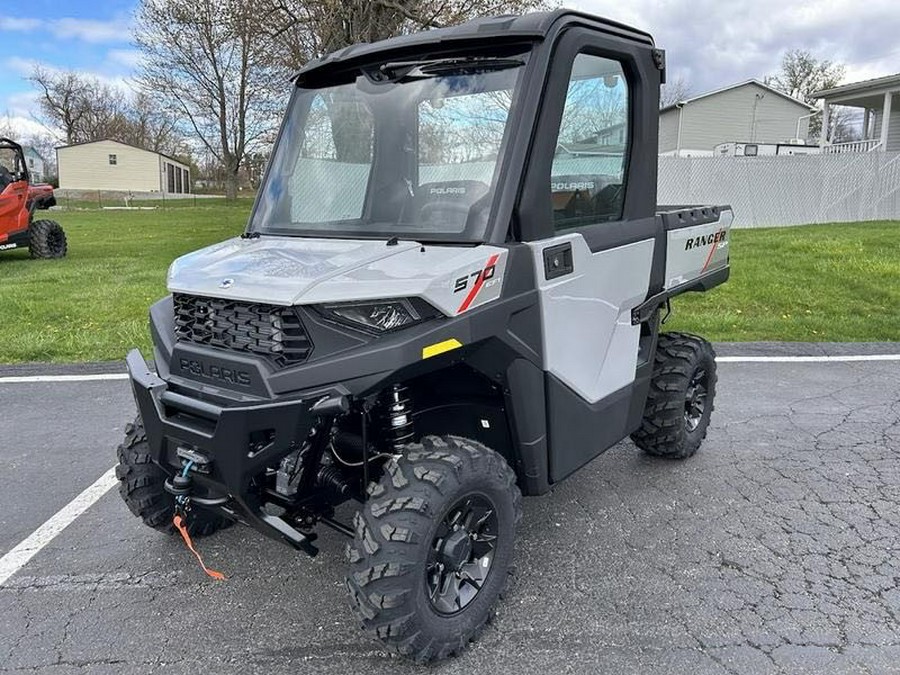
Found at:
(645, 310)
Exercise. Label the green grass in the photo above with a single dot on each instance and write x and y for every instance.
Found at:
(814, 283)
(92, 305)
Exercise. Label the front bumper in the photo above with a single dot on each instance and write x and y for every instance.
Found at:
(240, 442)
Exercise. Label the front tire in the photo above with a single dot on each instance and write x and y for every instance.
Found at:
(680, 402)
(141, 486)
(47, 239)
(434, 546)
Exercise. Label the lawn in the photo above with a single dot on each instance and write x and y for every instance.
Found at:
(92, 305)
(814, 283)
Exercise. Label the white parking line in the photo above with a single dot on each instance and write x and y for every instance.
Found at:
(20, 379)
(808, 359)
(17, 558)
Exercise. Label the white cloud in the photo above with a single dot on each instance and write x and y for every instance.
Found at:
(11, 23)
(25, 67)
(714, 43)
(130, 58)
(115, 31)
(23, 128)
(21, 103)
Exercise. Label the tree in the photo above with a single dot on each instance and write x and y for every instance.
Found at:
(674, 92)
(62, 100)
(210, 60)
(801, 76)
(306, 29)
(86, 109)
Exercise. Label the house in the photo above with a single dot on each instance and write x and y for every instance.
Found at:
(747, 112)
(880, 101)
(35, 163)
(115, 166)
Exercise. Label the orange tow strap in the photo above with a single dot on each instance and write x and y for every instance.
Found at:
(180, 526)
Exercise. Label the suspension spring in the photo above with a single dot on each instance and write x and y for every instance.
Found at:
(396, 416)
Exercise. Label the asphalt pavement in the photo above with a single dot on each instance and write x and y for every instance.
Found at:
(775, 549)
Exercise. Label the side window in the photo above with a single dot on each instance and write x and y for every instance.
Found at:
(331, 173)
(588, 174)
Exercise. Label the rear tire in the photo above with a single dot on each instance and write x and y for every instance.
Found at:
(433, 547)
(46, 239)
(680, 402)
(141, 487)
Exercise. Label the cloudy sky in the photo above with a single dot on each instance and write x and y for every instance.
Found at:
(710, 43)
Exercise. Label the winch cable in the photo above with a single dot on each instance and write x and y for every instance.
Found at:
(181, 508)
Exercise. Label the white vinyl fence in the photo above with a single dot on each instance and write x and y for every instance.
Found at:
(791, 190)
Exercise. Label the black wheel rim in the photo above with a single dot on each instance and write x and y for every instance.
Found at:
(461, 554)
(55, 241)
(695, 399)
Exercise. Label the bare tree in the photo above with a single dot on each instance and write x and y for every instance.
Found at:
(802, 75)
(210, 60)
(674, 92)
(62, 100)
(306, 29)
(86, 109)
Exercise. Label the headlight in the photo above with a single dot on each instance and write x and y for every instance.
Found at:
(380, 316)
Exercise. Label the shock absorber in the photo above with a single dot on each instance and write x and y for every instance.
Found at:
(396, 417)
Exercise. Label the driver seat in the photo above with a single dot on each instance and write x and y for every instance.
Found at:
(446, 203)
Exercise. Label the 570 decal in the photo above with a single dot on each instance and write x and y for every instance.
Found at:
(475, 281)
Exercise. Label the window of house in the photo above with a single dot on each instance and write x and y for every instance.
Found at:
(113, 160)
(588, 174)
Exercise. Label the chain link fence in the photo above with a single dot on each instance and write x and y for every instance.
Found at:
(790, 190)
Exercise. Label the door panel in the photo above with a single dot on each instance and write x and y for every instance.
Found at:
(13, 214)
(588, 340)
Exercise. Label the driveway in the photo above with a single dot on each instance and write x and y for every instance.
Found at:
(774, 549)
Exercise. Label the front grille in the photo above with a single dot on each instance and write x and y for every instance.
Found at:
(267, 330)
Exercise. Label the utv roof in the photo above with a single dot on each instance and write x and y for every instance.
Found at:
(490, 31)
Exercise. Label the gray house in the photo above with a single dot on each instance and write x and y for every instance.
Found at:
(747, 112)
(880, 102)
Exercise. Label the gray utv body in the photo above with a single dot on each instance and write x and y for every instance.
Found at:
(522, 291)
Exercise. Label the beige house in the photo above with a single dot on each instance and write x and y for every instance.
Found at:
(111, 165)
(747, 112)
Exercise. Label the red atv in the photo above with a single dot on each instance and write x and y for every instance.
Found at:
(19, 199)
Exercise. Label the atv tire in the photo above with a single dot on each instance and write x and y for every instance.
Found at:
(46, 239)
(445, 504)
(141, 486)
(680, 402)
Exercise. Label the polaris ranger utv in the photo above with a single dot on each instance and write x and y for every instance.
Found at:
(19, 199)
(448, 295)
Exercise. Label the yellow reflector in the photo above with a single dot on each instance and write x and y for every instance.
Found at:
(440, 348)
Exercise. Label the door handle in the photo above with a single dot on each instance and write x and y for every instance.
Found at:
(558, 261)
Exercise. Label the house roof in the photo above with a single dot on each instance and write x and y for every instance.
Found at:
(737, 86)
(130, 145)
(863, 86)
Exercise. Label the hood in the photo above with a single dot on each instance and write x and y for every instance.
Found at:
(299, 270)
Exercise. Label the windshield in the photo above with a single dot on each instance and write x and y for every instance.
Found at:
(410, 149)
